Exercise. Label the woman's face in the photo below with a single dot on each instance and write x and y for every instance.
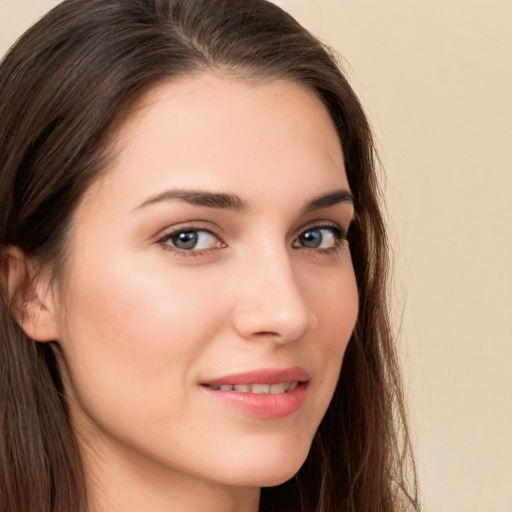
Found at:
(209, 293)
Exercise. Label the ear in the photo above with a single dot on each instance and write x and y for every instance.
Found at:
(30, 295)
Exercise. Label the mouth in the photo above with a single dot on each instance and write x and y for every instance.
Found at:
(266, 393)
(257, 389)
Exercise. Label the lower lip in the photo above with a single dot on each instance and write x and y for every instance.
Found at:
(263, 405)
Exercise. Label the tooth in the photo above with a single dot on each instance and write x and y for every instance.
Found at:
(293, 385)
(278, 388)
(260, 388)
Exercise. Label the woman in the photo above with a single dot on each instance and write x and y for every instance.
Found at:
(180, 182)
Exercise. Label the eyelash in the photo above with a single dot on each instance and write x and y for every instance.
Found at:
(194, 228)
(339, 234)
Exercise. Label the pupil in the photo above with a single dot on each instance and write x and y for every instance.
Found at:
(311, 238)
(186, 240)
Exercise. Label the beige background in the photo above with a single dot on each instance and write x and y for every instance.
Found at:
(436, 78)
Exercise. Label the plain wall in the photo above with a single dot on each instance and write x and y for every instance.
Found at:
(436, 79)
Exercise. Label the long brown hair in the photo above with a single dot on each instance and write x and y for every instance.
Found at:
(63, 89)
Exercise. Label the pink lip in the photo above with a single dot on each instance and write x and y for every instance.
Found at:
(269, 406)
(263, 376)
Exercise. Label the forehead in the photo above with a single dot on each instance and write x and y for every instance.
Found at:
(223, 133)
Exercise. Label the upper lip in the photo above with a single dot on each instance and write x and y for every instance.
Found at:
(262, 376)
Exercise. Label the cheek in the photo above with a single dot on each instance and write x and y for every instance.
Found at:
(134, 305)
(336, 305)
(131, 332)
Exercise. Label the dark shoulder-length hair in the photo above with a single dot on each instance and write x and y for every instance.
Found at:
(64, 87)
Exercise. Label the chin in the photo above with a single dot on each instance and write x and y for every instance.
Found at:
(268, 469)
(273, 479)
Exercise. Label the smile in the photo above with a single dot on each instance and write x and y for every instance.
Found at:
(258, 389)
(263, 393)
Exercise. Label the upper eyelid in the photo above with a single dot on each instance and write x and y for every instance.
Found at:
(321, 224)
(188, 226)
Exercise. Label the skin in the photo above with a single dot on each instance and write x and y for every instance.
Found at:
(141, 324)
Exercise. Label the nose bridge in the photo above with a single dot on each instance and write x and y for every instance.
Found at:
(273, 303)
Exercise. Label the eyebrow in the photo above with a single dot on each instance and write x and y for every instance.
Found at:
(200, 198)
(223, 201)
(330, 199)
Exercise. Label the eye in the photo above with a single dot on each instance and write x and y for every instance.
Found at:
(191, 240)
(320, 237)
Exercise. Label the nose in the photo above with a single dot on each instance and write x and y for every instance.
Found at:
(272, 304)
